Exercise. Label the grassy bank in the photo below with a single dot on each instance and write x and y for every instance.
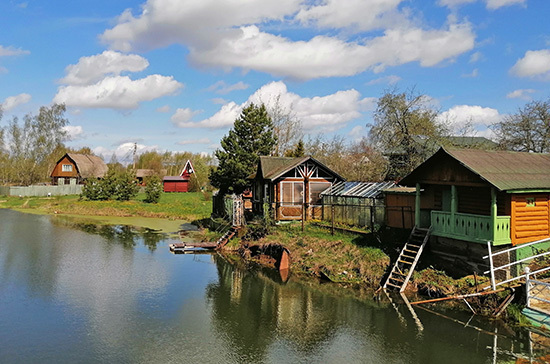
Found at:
(174, 206)
(341, 257)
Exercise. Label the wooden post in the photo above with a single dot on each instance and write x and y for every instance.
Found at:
(332, 217)
(454, 206)
(493, 284)
(493, 211)
(417, 206)
(527, 271)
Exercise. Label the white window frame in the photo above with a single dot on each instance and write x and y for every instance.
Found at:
(66, 168)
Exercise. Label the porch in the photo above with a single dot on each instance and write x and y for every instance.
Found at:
(476, 228)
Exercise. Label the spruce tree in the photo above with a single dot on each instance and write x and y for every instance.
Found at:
(252, 136)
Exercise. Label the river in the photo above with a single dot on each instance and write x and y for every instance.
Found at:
(111, 295)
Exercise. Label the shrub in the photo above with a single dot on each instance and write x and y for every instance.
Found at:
(153, 189)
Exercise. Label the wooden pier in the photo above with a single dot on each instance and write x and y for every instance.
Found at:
(183, 247)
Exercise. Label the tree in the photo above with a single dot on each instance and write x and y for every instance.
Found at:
(298, 151)
(286, 127)
(251, 137)
(153, 189)
(31, 143)
(528, 130)
(405, 129)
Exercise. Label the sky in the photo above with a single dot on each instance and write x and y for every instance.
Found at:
(173, 75)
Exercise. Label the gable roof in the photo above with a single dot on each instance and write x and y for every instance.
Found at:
(271, 168)
(507, 171)
(87, 165)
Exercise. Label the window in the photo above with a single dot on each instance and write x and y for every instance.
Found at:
(292, 193)
(530, 201)
(315, 189)
(67, 167)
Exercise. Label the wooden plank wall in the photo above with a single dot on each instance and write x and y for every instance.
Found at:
(529, 223)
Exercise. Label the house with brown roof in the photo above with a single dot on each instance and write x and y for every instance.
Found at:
(291, 187)
(471, 197)
(74, 168)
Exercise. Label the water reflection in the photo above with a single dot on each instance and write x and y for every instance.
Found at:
(108, 295)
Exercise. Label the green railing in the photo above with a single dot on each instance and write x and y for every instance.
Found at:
(469, 227)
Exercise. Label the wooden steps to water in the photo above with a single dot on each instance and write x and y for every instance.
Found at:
(189, 247)
(408, 258)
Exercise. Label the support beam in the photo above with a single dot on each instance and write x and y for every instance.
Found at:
(417, 206)
(454, 204)
(493, 210)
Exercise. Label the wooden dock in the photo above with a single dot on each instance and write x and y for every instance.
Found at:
(183, 247)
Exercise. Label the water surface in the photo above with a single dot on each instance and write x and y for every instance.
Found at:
(108, 294)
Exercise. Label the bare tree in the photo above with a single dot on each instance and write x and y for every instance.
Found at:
(287, 127)
(528, 130)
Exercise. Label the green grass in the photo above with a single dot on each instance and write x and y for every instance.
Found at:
(337, 256)
(186, 206)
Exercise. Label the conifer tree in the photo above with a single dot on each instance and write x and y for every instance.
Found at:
(252, 136)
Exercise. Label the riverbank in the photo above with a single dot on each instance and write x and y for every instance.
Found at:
(173, 209)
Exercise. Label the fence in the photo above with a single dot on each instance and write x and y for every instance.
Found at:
(358, 214)
(52, 190)
(517, 263)
(537, 291)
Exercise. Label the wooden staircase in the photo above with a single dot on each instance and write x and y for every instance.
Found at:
(406, 262)
(226, 237)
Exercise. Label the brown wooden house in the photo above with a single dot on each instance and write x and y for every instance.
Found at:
(179, 183)
(74, 168)
(471, 197)
(282, 182)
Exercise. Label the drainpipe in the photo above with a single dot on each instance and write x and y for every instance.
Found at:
(417, 206)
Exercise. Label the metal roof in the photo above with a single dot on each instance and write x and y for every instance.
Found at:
(357, 189)
(507, 171)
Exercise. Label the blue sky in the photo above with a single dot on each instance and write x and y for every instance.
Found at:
(173, 75)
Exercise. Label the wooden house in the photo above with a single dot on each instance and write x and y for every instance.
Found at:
(282, 182)
(471, 197)
(179, 183)
(74, 168)
(143, 174)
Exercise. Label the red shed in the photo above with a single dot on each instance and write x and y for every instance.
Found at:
(179, 183)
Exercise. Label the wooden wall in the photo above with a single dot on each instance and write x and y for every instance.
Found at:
(400, 210)
(529, 217)
(58, 169)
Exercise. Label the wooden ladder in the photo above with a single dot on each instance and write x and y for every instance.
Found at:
(226, 237)
(406, 262)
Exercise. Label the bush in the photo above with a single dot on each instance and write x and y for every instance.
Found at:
(120, 186)
(153, 189)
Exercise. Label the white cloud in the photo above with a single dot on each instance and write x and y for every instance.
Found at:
(523, 94)
(124, 151)
(473, 74)
(479, 117)
(14, 101)
(495, 4)
(324, 56)
(220, 34)
(477, 56)
(357, 132)
(535, 64)
(183, 116)
(164, 109)
(73, 132)
(491, 4)
(223, 88)
(324, 112)
(355, 14)
(92, 69)
(390, 80)
(117, 92)
(218, 100)
(11, 51)
(195, 141)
